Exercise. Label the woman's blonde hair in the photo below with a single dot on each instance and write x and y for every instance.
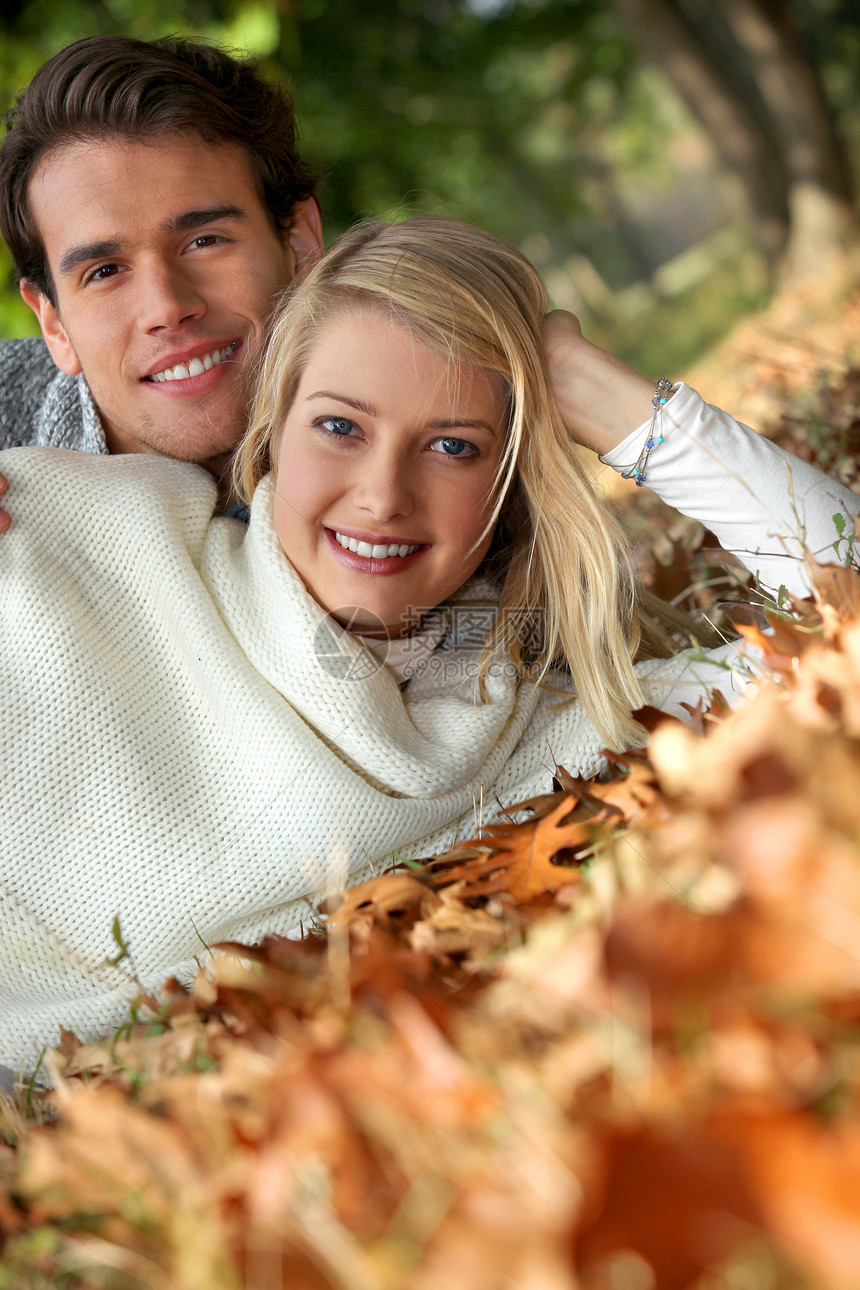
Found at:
(566, 591)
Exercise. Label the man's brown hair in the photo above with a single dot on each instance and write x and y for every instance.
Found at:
(114, 86)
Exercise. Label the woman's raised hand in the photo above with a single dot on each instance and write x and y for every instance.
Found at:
(601, 399)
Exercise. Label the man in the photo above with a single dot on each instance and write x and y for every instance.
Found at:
(154, 204)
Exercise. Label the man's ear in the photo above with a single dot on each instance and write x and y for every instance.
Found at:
(55, 334)
(305, 237)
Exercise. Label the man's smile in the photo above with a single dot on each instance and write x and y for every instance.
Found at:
(188, 366)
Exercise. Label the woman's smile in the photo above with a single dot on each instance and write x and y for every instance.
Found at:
(385, 467)
(374, 555)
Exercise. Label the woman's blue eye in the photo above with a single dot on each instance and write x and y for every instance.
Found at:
(456, 448)
(338, 425)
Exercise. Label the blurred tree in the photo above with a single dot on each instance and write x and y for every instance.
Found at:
(496, 116)
(751, 76)
(540, 120)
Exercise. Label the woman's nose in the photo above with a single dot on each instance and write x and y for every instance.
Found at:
(385, 489)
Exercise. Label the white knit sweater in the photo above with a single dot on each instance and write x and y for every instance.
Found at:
(178, 753)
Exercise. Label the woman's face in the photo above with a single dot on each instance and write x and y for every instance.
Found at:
(383, 472)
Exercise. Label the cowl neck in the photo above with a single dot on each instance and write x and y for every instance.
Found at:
(436, 736)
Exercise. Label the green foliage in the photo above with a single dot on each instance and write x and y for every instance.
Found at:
(15, 318)
(668, 332)
(845, 542)
(122, 947)
(534, 118)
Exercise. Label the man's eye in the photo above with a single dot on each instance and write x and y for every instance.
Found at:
(450, 447)
(103, 272)
(206, 239)
(339, 426)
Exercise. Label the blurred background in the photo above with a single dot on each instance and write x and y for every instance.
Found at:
(669, 165)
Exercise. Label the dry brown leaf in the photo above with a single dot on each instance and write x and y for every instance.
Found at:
(461, 1084)
(526, 861)
(393, 898)
(805, 1177)
(838, 587)
(454, 928)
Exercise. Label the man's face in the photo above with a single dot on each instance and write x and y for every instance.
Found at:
(165, 262)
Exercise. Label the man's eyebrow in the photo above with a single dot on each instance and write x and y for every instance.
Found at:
(78, 255)
(367, 408)
(205, 215)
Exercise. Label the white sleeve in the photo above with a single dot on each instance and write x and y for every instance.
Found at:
(678, 684)
(763, 504)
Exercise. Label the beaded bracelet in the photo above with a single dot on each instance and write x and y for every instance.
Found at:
(654, 436)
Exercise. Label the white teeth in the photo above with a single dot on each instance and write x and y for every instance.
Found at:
(377, 551)
(196, 366)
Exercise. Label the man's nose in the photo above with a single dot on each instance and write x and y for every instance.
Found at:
(168, 298)
(386, 489)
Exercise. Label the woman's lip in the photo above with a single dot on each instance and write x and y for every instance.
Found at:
(375, 539)
(369, 564)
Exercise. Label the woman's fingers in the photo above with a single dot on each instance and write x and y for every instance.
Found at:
(558, 327)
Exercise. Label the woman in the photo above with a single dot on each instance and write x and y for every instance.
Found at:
(209, 726)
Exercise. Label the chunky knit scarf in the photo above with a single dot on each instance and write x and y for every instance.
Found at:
(191, 747)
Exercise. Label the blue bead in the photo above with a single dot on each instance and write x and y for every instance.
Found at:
(659, 438)
(649, 443)
(662, 400)
(640, 480)
(656, 401)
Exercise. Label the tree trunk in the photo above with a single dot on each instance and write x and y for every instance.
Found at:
(743, 69)
(675, 46)
(822, 221)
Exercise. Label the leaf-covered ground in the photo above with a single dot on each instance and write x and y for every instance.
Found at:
(612, 1044)
(777, 365)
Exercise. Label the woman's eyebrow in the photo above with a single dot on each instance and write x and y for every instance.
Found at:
(438, 423)
(367, 408)
(461, 423)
